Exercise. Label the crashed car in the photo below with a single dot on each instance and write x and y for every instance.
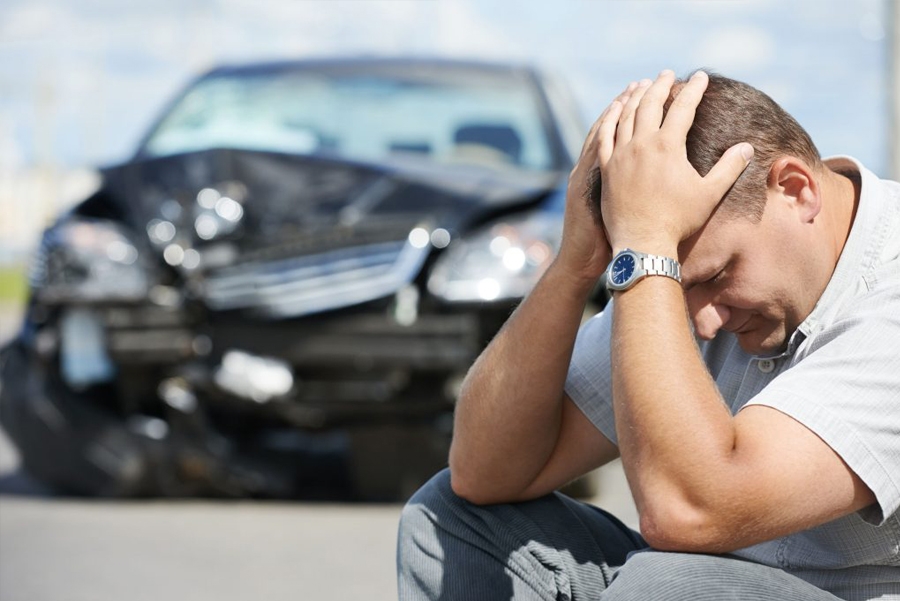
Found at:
(289, 280)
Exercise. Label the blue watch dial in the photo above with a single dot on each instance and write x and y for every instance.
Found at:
(623, 269)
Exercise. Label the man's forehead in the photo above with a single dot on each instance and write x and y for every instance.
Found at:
(706, 252)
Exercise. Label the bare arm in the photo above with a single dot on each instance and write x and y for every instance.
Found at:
(702, 479)
(516, 434)
(513, 417)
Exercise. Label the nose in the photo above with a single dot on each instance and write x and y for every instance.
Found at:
(709, 318)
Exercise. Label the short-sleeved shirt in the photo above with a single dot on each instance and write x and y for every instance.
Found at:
(839, 377)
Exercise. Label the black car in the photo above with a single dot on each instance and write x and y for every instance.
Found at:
(285, 286)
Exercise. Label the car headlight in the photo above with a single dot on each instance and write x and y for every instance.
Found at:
(88, 260)
(503, 260)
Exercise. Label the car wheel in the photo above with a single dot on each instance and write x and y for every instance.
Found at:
(391, 462)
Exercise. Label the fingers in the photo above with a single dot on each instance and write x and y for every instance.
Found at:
(616, 105)
(606, 134)
(724, 173)
(649, 114)
(625, 129)
(683, 108)
(589, 151)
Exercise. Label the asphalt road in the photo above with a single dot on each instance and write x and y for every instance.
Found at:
(65, 549)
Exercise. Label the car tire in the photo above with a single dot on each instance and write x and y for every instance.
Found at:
(391, 462)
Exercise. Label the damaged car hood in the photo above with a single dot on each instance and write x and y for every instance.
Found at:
(287, 235)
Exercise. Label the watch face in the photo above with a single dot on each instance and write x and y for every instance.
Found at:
(622, 269)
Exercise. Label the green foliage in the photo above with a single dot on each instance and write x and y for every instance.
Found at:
(13, 284)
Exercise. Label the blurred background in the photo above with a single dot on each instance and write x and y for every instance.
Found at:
(82, 80)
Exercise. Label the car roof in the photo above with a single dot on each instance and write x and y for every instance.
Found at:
(374, 63)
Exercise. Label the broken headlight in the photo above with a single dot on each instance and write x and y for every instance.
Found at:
(88, 261)
(501, 261)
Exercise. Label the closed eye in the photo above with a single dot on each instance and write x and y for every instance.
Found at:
(718, 278)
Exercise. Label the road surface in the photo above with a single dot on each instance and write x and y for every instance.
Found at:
(54, 549)
(65, 549)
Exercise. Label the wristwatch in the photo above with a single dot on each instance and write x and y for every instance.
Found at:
(628, 267)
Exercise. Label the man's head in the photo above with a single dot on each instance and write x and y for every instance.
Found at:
(759, 265)
(729, 113)
(732, 112)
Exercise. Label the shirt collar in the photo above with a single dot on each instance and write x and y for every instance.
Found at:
(858, 255)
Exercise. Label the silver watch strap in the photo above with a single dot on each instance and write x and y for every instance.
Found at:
(657, 265)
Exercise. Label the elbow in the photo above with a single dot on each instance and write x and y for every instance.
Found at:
(470, 482)
(470, 489)
(671, 533)
(465, 490)
(468, 485)
(682, 527)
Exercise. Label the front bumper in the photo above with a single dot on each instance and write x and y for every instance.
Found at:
(348, 367)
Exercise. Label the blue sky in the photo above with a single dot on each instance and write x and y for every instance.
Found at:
(81, 79)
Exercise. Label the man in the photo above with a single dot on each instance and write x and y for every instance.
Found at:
(764, 466)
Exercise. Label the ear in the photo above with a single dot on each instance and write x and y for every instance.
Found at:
(792, 180)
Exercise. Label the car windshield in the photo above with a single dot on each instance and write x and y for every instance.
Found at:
(490, 117)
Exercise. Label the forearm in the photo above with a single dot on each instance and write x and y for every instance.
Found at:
(509, 409)
(676, 436)
(703, 480)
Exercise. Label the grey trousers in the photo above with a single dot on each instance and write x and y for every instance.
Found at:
(556, 548)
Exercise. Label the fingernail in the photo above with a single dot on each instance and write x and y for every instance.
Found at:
(665, 72)
(644, 83)
(698, 74)
(747, 152)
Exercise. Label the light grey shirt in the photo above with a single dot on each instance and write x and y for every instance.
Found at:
(840, 377)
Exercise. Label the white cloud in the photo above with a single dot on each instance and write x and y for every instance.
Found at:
(28, 22)
(462, 31)
(716, 8)
(128, 58)
(734, 49)
(11, 155)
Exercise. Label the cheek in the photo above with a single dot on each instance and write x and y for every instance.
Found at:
(746, 290)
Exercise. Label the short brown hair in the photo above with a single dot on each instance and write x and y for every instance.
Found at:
(732, 112)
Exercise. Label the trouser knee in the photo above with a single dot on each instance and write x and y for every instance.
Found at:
(422, 546)
(700, 577)
(668, 576)
(421, 509)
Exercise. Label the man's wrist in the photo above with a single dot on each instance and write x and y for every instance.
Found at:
(579, 280)
(651, 247)
(629, 267)
(586, 269)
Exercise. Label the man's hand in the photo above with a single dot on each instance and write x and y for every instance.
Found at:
(653, 198)
(585, 249)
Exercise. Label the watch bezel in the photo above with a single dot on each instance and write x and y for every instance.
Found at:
(636, 273)
(645, 264)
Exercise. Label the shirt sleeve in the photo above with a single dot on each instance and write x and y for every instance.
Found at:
(589, 381)
(847, 391)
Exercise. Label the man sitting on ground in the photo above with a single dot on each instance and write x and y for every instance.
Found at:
(747, 372)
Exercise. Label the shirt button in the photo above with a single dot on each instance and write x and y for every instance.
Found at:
(765, 365)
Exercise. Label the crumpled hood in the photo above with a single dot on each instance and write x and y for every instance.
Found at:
(287, 197)
(286, 236)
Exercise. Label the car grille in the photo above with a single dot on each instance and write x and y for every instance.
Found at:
(319, 282)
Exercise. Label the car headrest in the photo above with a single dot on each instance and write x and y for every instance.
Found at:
(499, 136)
